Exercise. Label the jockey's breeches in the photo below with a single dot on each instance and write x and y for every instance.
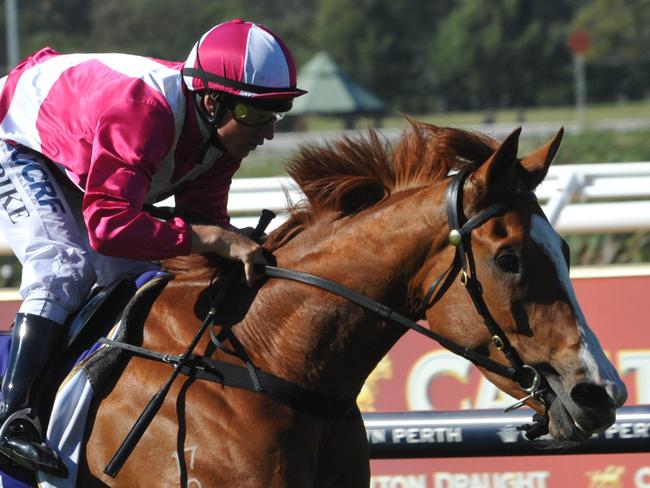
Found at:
(42, 222)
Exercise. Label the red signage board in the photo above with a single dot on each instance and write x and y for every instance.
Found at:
(579, 42)
(419, 375)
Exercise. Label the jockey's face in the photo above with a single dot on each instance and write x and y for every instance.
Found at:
(237, 138)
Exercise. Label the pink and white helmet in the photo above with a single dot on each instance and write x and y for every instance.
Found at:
(244, 59)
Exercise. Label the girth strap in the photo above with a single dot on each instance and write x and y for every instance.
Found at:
(228, 374)
(274, 387)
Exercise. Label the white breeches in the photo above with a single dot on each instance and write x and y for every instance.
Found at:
(43, 225)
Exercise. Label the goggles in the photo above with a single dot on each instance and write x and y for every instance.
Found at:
(252, 116)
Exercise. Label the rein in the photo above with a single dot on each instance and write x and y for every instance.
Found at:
(388, 314)
(524, 375)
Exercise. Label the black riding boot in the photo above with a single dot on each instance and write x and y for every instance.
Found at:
(21, 439)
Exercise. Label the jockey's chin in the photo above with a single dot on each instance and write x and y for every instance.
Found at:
(239, 139)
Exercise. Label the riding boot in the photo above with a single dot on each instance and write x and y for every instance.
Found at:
(21, 438)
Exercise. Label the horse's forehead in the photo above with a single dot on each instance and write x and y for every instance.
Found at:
(552, 244)
(515, 220)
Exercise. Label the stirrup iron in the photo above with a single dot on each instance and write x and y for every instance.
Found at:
(20, 443)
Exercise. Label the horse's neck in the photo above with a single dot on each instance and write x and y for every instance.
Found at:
(323, 341)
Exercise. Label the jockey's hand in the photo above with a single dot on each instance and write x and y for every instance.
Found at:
(230, 245)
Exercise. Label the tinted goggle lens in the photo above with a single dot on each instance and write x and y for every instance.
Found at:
(248, 115)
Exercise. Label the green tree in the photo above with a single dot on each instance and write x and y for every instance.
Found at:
(168, 28)
(64, 25)
(619, 29)
(618, 60)
(160, 28)
(379, 43)
(493, 53)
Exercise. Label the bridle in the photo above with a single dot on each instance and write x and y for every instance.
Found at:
(524, 375)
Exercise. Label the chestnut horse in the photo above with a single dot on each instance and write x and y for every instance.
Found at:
(376, 221)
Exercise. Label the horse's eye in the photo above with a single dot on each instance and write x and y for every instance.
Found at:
(508, 262)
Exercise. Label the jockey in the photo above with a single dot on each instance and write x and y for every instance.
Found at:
(87, 142)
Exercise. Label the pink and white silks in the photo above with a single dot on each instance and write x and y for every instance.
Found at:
(125, 130)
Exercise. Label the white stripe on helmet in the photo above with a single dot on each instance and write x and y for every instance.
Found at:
(265, 63)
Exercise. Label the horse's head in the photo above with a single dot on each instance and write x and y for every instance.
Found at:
(513, 311)
(515, 297)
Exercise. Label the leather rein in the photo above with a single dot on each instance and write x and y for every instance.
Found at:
(251, 378)
(524, 375)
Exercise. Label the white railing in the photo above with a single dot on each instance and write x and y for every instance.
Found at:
(597, 198)
(577, 199)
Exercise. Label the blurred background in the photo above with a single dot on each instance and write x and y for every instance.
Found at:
(492, 65)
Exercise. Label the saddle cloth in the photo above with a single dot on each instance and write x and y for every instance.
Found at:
(67, 422)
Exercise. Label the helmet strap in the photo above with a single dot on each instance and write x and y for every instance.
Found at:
(216, 117)
(212, 120)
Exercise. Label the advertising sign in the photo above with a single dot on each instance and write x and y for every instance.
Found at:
(419, 375)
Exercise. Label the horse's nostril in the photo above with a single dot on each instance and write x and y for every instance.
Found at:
(590, 395)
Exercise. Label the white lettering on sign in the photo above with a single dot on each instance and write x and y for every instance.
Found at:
(628, 430)
(642, 477)
(442, 363)
(426, 370)
(509, 479)
(376, 436)
(405, 481)
(637, 362)
(427, 435)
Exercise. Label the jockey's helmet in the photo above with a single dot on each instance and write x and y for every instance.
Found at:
(245, 60)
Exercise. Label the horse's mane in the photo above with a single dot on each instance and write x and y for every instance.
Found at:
(352, 174)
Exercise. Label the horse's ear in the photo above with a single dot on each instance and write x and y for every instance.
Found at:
(501, 163)
(359, 196)
(536, 164)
